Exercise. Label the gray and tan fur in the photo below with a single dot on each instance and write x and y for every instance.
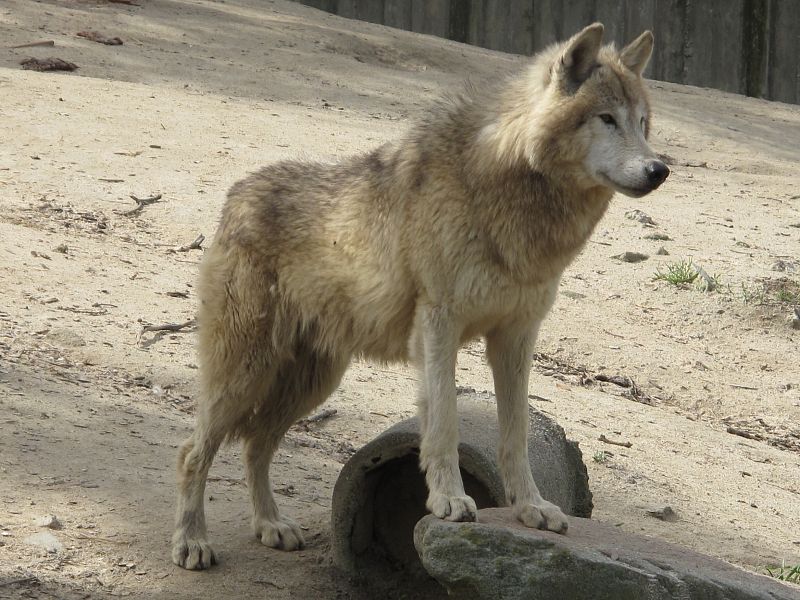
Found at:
(462, 229)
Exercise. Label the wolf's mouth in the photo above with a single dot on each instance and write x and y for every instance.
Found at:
(623, 189)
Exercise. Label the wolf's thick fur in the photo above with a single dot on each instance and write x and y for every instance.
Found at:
(462, 229)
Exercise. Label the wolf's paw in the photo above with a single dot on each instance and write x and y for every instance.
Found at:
(281, 533)
(192, 553)
(452, 508)
(542, 515)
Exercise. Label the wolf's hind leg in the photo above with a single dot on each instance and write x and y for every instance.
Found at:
(301, 385)
(509, 354)
(439, 416)
(231, 388)
(190, 548)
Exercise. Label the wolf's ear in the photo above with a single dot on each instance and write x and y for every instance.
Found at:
(580, 55)
(636, 55)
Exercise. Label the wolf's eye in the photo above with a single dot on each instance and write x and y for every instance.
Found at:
(608, 119)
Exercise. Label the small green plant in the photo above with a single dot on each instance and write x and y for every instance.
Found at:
(787, 296)
(785, 573)
(752, 294)
(771, 292)
(678, 273)
(601, 457)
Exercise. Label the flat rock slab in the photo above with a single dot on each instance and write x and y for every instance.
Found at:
(498, 558)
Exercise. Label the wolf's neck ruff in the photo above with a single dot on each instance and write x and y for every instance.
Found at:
(532, 205)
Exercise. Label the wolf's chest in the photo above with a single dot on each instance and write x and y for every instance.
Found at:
(490, 297)
(536, 246)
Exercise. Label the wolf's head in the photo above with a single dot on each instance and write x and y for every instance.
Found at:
(581, 114)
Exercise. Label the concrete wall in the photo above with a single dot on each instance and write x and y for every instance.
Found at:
(745, 46)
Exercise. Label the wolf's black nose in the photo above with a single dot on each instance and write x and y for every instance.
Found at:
(657, 172)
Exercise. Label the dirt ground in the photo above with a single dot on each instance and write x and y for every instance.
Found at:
(202, 92)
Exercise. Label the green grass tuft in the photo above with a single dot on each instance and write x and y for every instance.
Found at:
(678, 273)
(787, 296)
(785, 573)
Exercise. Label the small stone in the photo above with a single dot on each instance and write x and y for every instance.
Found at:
(662, 251)
(784, 266)
(49, 521)
(631, 257)
(573, 295)
(641, 217)
(44, 540)
(795, 322)
(61, 248)
(619, 380)
(664, 514)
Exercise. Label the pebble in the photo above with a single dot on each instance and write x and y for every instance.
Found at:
(664, 513)
(631, 257)
(784, 266)
(49, 521)
(573, 295)
(638, 215)
(662, 251)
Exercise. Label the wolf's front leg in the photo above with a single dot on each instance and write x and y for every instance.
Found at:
(509, 354)
(437, 345)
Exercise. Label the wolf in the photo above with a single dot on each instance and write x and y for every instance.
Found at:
(462, 229)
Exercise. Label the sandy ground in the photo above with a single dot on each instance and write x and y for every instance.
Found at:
(201, 92)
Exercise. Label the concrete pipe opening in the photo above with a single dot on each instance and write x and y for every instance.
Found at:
(380, 494)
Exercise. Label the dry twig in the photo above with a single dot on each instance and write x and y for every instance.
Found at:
(35, 44)
(173, 327)
(320, 416)
(19, 581)
(744, 433)
(197, 244)
(141, 203)
(739, 386)
(230, 480)
(604, 439)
